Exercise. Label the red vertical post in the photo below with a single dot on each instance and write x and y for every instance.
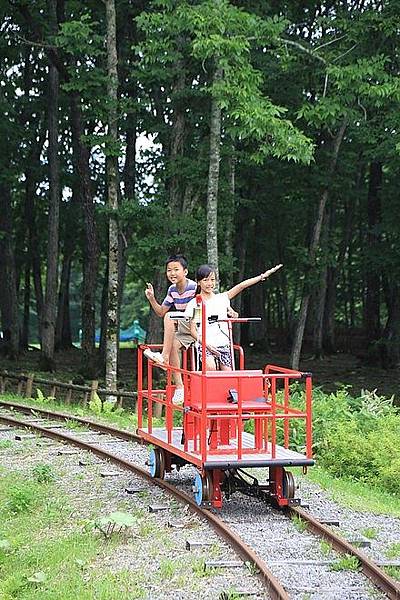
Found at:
(140, 386)
(203, 423)
(231, 344)
(149, 397)
(286, 419)
(240, 418)
(273, 423)
(309, 416)
(168, 408)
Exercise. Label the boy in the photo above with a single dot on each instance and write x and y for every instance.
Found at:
(180, 292)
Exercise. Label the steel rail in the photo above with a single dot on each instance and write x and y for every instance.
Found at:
(95, 425)
(377, 575)
(271, 583)
(389, 586)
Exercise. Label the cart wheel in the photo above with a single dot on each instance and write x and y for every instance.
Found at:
(156, 463)
(288, 484)
(203, 488)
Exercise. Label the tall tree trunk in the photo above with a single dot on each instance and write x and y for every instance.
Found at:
(301, 323)
(112, 335)
(50, 303)
(372, 266)
(321, 291)
(154, 333)
(241, 243)
(334, 271)
(91, 244)
(63, 324)
(129, 178)
(257, 331)
(391, 333)
(213, 178)
(230, 220)
(25, 331)
(33, 242)
(8, 282)
(177, 143)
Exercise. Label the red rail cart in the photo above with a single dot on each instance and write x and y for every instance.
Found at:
(230, 421)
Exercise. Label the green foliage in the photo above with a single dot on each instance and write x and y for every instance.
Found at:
(393, 551)
(370, 532)
(115, 522)
(98, 407)
(346, 563)
(38, 577)
(325, 547)
(20, 498)
(95, 404)
(42, 398)
(224, 35)
(168, 567)
(299, 523)
(393, 572)
(4, 444)
(231, 594)
(74, 425)
(5, 546)
(354, 438)
(43, 473)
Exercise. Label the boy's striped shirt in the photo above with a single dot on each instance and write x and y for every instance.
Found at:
(177, 301)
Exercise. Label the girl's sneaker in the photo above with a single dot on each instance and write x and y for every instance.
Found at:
(178, 397)
(156, 357)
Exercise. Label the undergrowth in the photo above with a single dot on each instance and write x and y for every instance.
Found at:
(354, 438)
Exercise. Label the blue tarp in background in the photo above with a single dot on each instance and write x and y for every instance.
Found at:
(134, 333)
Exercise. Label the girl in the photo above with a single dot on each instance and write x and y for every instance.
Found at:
(217, 334)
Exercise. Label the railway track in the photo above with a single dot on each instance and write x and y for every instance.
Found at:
(227, 523)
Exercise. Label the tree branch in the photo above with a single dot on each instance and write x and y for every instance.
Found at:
(304, 49)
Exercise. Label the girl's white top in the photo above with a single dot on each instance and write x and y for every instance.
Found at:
(217, 334)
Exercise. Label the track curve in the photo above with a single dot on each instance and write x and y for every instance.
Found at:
(276, 591)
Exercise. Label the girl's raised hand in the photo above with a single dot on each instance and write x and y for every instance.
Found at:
(270, 271)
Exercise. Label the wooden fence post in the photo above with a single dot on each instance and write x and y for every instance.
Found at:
(29, 386)
(94, 388)
(68, 395)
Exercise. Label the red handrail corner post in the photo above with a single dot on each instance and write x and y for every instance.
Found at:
(308, 415)
(140, 387)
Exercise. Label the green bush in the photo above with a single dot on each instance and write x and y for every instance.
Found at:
(20, 498)
(353, 437)
(361, 441)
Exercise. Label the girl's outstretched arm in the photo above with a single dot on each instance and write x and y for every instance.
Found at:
(249, 282)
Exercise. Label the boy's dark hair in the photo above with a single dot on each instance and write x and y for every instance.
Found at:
(177, 258)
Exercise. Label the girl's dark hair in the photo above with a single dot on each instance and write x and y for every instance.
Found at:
(177, 258)
(202, 273)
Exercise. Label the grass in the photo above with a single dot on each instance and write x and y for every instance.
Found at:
(346, 563)
(393, 550)
(299, 524)
(47, 555)
(357, 496)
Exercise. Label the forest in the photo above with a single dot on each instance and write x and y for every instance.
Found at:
(240, 133)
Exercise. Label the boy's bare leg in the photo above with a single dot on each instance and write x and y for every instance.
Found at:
(171, 349)
(169, 337)
(174, 359)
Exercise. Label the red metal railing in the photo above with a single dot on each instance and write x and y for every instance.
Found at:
(208, 416)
